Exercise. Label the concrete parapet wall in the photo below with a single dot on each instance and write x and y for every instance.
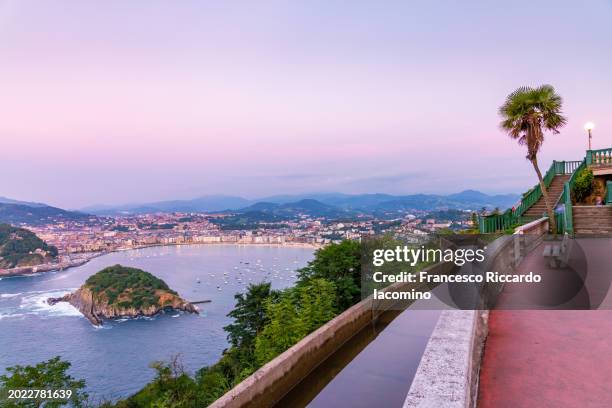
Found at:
(448, 373)
(271, 382)
(537, 227)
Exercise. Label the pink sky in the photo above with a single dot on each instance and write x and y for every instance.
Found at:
(120, 102)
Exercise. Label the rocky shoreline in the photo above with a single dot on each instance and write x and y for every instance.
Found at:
(96, 312)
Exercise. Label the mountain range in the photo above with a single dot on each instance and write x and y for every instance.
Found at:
(273, 208)
(468, 199)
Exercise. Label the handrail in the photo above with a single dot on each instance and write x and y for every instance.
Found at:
(566, 199)
(512, 216)
(580, 165)
(570, 166)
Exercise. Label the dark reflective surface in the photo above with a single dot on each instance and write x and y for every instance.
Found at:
(375, 367)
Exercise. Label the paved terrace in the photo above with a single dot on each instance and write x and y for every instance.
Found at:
(552, 358)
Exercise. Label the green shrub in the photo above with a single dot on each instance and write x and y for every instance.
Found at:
(583, 185)
(51, 374)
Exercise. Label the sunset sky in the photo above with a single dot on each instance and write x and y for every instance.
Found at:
(116, 102)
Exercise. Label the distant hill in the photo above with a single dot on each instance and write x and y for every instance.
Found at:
(255, 215)
(202, 204)
(310, 207)
(473, 196)
(20, 247)
(4, 200)
(371, 203)
(37, 215)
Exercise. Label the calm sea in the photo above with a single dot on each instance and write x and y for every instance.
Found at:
(114, 359)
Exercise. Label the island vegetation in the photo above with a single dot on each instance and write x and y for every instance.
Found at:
(120, 291)
(121, 286)
(20, 247)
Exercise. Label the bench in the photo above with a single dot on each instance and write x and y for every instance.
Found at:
(558, 254)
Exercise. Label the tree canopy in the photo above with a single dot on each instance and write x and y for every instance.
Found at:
(528, 111)
(51, 374)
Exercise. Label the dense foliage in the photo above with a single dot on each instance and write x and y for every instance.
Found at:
(449, 215)
(248, 221)
(583, 185)
(127, 287)
(340, 264)
(48, 375)
(18, 246)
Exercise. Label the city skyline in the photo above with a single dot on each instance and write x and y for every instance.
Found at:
(132, 102)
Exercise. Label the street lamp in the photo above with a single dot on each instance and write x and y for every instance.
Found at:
(589, 126)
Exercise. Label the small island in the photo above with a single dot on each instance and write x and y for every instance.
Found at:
(119, 291)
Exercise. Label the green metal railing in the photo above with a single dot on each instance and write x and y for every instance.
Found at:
(565, 221)
(514, 216)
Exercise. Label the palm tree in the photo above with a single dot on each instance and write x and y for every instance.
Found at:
(526, 113)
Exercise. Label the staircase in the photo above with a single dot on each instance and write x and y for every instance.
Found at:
(592, 220)
(554, 192)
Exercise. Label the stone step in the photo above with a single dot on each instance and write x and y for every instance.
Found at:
(602, 232)
(582, 223)
(554, 192)
(536, 209)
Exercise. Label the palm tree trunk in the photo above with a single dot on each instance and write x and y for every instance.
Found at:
(549, 208)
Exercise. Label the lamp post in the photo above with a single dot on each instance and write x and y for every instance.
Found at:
(589, 126)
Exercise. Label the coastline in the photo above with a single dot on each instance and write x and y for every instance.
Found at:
(61, 266)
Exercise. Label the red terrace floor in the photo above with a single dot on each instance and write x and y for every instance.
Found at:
(549, 358)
